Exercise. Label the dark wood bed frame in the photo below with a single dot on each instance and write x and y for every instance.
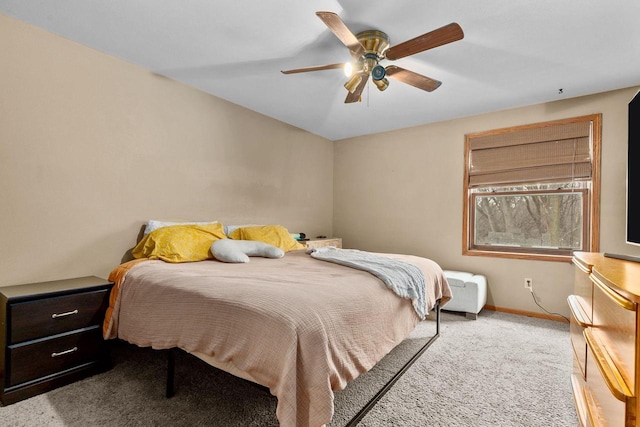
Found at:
(367, 407)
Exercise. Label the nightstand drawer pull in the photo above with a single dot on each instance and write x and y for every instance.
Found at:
(62, 353)
(68, 313)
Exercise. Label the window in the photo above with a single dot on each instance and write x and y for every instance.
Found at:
(533, 191)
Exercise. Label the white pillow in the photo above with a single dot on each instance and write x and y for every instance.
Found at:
(228, 250)
(154, 225)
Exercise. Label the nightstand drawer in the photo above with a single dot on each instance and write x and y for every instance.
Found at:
(51, 335)
(50, 316)
(40, 358)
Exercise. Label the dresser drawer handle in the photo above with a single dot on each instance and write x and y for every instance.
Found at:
(577, 312)
(62, 353)
(584, 268)
(68, 313)
(607, 367)
(613, 295)
(593, 410)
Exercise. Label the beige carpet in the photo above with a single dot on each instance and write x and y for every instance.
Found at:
(500, 370)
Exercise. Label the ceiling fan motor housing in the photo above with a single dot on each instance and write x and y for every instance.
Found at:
(375, 44)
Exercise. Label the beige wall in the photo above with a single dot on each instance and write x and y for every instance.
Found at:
(91, 147)
(401, 191)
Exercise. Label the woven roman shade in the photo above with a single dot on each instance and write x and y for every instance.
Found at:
(555, 153)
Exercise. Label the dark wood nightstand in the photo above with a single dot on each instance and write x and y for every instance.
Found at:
(51, 335)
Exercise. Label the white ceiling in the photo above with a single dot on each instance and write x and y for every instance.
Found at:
(514, 52)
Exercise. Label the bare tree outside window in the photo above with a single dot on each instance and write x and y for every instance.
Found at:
(527, 217)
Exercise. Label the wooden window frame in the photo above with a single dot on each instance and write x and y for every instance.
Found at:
(591, 214)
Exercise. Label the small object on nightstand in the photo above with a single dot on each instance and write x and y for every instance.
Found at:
(51, 335)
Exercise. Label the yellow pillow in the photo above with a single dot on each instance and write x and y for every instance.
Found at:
(179, 243)
(275, 235)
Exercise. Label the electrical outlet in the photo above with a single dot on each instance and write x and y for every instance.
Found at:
(528, 283)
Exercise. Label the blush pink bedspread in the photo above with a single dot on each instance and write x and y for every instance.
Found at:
(299, 326)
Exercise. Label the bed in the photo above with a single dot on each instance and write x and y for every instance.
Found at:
(300, 326)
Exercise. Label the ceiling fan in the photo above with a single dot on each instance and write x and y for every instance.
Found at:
(370, 47)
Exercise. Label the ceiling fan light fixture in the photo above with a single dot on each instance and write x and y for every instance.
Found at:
(348, 69)
(381, 84)
(378, 72)
(353, 82)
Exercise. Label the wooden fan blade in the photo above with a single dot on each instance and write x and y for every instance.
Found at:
(411, 78)
(443, 35)
(342, 32)
(355, 96)
(314, 68)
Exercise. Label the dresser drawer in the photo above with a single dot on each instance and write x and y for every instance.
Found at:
(583, 288)
(40, 358)
(576, 329)
(578, 385)
(603, 407)
(614, 325)
(50, 316)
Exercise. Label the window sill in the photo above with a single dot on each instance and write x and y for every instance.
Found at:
(518, 255)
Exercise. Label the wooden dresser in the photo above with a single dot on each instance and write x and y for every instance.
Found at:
(51, 335)
(605, 329)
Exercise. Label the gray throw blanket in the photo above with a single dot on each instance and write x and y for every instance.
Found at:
(404, 279)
